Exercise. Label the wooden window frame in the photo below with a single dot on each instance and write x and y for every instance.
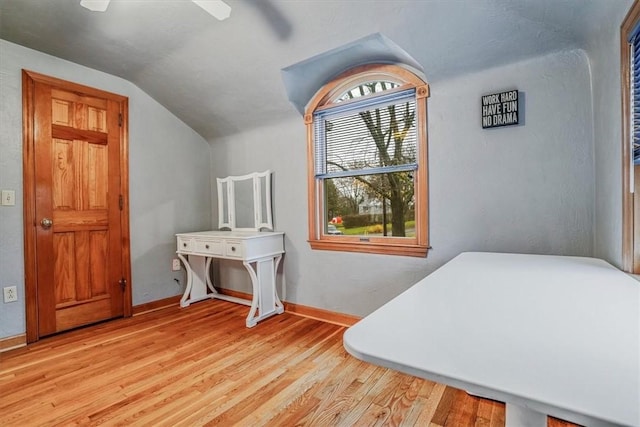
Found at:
(418, 246)
(630, 200)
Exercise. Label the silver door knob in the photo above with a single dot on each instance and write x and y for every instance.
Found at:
(46, 223)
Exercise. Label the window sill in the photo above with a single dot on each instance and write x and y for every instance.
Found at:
(370, 248)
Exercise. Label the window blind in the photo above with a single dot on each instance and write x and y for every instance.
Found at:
(375, 135)
(634, 41)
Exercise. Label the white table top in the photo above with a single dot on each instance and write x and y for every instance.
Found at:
(560, 335)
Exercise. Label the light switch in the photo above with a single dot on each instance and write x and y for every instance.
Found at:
(8, 198)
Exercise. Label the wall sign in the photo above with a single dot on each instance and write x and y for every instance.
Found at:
(500, 109)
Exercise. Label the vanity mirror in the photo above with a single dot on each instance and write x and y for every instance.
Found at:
(244, 202)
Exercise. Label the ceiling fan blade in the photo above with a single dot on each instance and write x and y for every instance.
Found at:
(95, 5)
(274, 17)
(217, 8)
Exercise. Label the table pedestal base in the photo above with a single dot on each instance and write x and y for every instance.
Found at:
(519, 416)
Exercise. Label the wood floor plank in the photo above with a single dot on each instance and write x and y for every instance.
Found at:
(484, 413)
(443, 410)
(300, 370)
(431, 404)
(201, 366)
(364, 396)
(338, 393)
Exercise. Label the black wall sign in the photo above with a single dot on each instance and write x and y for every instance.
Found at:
(500, 109)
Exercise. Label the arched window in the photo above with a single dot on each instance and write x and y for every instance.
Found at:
(367, 160)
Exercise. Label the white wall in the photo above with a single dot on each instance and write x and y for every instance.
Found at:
(526, 189)
(604, 56)
(169, 180)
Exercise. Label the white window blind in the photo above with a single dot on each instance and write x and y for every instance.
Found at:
(375, 135)
(634, 40)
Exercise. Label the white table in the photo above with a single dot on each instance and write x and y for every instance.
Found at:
(260, 252)
(545, 334)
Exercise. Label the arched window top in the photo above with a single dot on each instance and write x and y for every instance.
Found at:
(367, 88)
(364, 81)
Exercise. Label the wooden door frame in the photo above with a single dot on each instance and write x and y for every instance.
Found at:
(29, 78)
(630, 214)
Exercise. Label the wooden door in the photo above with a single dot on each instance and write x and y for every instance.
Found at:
(78, 206)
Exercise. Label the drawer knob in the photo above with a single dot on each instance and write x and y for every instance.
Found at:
(233, 248)
(206, 246)
(184, 245)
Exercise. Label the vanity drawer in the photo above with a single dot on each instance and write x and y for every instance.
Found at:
(233, 249)
(185, 244)
(209, 247)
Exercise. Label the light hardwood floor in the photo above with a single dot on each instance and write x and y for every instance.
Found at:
(201, 366)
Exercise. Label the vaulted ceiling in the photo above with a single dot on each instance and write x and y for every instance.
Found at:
(223, 76)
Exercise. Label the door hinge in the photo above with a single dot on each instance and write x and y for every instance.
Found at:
(120, 119)
(123, 284)
(121, 202)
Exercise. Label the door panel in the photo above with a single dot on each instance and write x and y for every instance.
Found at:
(77, 152)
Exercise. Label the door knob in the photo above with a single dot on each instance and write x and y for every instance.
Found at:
(46, 223)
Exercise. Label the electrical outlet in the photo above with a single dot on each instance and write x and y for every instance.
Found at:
(175, 266)
(10, 294)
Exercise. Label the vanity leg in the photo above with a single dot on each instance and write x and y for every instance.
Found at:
(279, 306)
(197, 271)
(184, 300)
(207, 272)
(251, 317)
(265, 298)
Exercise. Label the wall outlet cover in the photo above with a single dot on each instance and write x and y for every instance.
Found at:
(175, 266)
(10, 294)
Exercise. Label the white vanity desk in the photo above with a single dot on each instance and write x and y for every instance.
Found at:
(259, 251)
(244, 207)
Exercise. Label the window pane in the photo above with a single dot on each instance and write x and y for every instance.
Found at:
(377, 137)
(367, 89)
(375, 205)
